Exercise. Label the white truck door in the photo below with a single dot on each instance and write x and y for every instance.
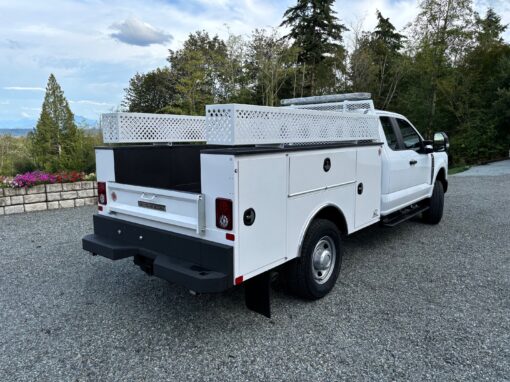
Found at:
(406, 172)
(418, 172)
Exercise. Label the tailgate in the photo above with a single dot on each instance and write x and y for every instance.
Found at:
(175, 208)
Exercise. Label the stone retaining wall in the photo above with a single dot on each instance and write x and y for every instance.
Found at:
(47, 197)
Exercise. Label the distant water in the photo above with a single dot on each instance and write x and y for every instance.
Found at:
(15, 132)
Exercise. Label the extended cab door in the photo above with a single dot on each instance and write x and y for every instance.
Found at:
(406, 169)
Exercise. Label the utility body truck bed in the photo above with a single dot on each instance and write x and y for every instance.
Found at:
(272, 190)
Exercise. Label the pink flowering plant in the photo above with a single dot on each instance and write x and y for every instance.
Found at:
(34, 178)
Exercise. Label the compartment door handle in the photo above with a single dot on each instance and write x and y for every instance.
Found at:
(152, 197)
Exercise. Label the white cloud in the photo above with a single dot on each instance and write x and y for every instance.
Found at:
(135, 32)
(25, 115)
(24, 88)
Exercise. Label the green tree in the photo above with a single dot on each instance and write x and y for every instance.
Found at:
(198, 68)
(451, 72)
(479, 94)
(55, 139)
(442, 36)
(317, 33)
(235, 82)
(489, 29)
(271, 64)
(376, 64)
(150, 92)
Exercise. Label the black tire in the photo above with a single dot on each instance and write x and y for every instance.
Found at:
(301, 274)
(436, 203)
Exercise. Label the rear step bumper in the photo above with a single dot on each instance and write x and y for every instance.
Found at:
(196, 264)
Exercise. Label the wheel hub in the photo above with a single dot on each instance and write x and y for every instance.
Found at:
(324, 259)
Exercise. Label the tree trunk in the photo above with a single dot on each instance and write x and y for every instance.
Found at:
(432, 114)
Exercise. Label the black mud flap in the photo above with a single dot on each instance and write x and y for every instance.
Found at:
(257, 294)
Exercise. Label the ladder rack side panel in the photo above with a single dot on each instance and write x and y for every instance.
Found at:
(152, 128)
(236, 124)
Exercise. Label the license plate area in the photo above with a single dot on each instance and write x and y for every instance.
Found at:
(152, 206)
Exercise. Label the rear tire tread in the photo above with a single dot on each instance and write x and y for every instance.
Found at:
(299, 276)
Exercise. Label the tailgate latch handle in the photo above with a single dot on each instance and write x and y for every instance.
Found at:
(152, 197)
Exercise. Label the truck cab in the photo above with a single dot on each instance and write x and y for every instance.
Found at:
(248, 191)
(409, 168)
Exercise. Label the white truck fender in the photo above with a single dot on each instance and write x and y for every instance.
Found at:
(333, 212)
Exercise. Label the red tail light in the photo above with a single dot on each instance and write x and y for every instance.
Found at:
(224, 213)
(101, 193)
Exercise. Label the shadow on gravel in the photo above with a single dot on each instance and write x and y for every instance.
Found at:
(136, 295)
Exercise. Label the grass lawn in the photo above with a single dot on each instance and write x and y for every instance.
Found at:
(456, 170)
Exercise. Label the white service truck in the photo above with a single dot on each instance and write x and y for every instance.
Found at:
(223, 200)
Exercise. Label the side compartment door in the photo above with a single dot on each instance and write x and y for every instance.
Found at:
(368, 186)
(263, 188)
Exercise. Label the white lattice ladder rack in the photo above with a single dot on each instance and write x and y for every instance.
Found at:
(239, 124)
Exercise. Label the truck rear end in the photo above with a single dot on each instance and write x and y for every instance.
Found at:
(152, 203)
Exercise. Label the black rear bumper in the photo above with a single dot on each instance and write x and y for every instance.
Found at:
(196, 264)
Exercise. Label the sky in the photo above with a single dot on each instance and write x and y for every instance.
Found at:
(95, 46)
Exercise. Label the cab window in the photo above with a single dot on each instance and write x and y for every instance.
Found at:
(410, 137)
(389, 132)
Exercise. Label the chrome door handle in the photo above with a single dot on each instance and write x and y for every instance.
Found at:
(413, 162)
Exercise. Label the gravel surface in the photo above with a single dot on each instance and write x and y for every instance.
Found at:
(416, 302)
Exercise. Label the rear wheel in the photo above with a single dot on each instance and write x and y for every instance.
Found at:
(315, 272)
(436, 203)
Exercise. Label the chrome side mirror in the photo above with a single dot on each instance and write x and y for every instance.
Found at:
(441, 142)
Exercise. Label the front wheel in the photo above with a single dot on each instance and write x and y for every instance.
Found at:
(436, 203)
(315, 272)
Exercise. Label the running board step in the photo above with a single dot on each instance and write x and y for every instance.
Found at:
(403, 215)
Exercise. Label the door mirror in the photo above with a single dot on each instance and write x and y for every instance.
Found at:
(441, 142)
(427, 147)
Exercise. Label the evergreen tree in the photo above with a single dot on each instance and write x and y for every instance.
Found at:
(385, 33)
(489, 28)
(55, 139)
(317, 32)
(376, 64)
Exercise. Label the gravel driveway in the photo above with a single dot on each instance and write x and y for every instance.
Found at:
(415, 302)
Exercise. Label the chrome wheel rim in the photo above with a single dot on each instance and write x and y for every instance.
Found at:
(323, 259)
